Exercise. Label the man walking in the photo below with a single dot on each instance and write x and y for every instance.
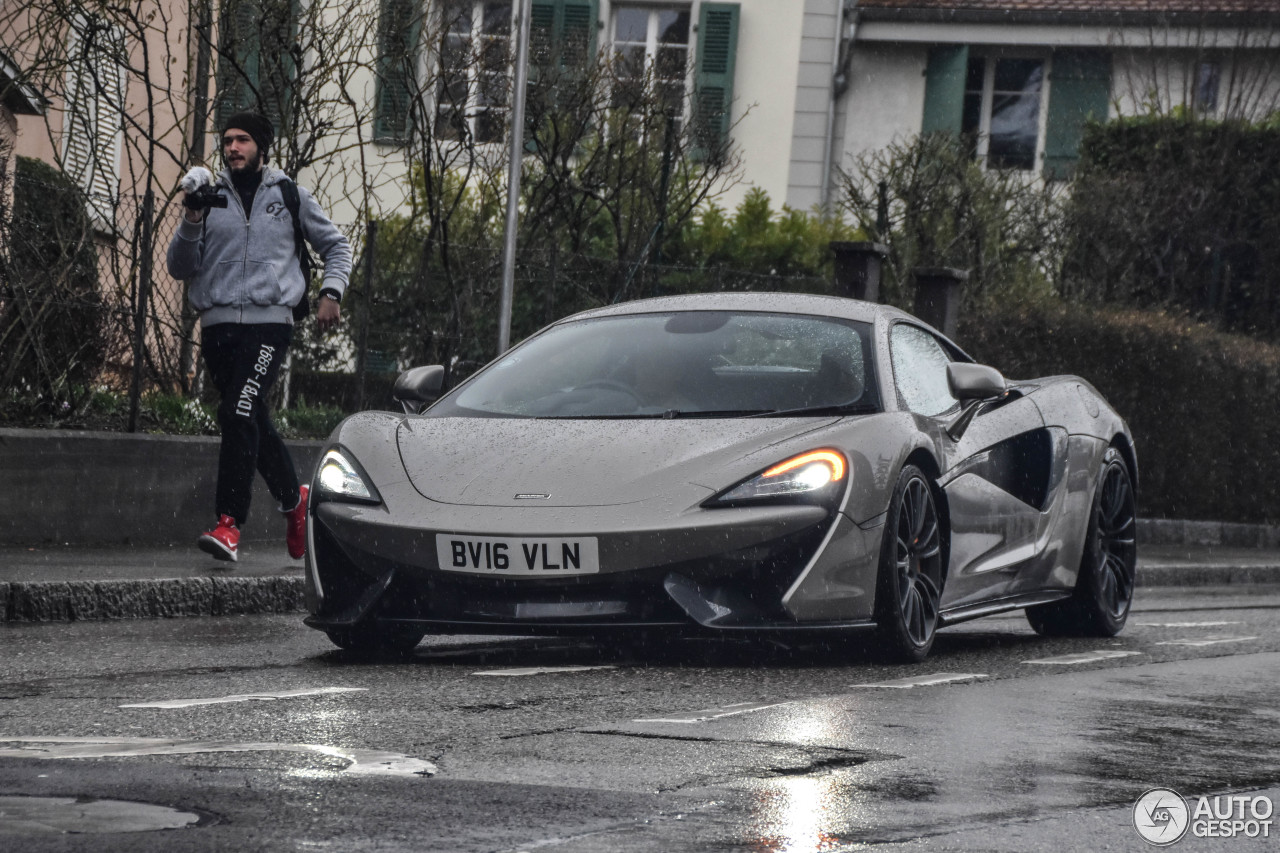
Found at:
(237, 246)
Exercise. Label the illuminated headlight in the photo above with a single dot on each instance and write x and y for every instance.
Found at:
(808, 474)
(340, 479)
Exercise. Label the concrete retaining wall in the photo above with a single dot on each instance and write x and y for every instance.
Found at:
(101, 488)
(107, 488)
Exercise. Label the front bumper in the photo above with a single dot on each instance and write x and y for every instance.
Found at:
(778, 567)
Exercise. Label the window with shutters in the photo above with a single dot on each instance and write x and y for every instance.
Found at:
(473, 90)
(256, 55)
(1003, 110)
(398, 23)
(94, 115)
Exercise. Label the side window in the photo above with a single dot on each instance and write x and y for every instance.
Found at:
(920, 370)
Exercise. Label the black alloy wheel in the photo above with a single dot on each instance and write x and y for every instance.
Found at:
(909, 587)
(1108, 569)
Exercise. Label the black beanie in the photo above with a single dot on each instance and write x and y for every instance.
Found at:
(257, 126)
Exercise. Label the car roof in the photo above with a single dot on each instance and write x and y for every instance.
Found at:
(785, 303)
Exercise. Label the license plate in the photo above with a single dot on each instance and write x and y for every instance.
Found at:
(525, 557)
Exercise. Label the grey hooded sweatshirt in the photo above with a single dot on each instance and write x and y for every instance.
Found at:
(243, 265)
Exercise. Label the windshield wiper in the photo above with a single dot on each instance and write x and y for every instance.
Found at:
(845, 409)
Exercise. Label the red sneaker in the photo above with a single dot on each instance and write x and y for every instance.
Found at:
(295, 530)
(223, 541)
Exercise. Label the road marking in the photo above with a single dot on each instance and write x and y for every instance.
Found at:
(364, 762)
(714, 713)
(1206, 641)
(925, 680)
(1082, 657)
(1185, 624)
(247, 697)
(539, 670)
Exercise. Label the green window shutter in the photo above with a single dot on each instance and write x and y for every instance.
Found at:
(713, 83)
(239, 49)
(397, 55)
(578, 25)
(256, 63)
(1079, 89)
(563, 30)
(944, 89)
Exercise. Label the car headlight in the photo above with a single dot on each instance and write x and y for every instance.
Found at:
(339, 478)
(816, 474)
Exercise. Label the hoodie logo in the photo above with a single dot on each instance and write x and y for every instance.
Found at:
(275, 208)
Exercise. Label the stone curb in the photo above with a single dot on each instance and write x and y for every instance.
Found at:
(76, 601)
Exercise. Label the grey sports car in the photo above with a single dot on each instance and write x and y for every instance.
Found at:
(725, 462)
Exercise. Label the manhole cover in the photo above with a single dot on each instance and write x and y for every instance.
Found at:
(61, 815)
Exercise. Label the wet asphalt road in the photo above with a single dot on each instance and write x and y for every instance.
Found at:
(490, 744)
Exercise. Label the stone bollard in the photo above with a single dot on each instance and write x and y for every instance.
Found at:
(858, 269)
(938, 291)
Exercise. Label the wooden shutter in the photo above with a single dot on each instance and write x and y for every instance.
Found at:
(237, 73)
(579, 20)
(944, 89)
(1079, 89)
(256, 62)
(397, 57)
(563, 31)
(93, 121)
(713, 83)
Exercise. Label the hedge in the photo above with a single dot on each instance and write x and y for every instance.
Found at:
(1202, 404)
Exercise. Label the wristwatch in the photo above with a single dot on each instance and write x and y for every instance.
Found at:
(332, 294)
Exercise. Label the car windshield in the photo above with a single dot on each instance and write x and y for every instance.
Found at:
(682, 364)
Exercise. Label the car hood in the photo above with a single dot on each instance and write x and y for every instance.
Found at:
(489, 461)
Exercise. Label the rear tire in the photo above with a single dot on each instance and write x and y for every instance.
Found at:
(370, 639)
(1104, 589)
(909, 583)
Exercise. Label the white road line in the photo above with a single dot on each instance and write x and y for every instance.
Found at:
(364, 762)
(1082, 657)
(247, 697)
(539, 670)
(925, 680)
(1206, 641)
(1185, 624)
(713, 713)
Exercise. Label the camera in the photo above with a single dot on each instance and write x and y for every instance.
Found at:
(204, 198)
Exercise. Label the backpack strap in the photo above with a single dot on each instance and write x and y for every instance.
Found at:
(289, 190)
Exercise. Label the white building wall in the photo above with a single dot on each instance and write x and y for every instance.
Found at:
(885, 99)
(770, 41)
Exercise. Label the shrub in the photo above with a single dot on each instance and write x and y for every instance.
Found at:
(52, 337)
(1201, 403)
(1181, 213)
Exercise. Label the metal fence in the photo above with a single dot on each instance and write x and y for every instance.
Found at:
(86, 304)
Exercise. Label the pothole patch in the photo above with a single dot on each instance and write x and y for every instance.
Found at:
(85, 815)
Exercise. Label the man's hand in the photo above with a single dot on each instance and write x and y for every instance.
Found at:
(194, 179)
(328, 313)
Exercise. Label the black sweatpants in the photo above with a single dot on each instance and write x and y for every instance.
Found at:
(243, 362)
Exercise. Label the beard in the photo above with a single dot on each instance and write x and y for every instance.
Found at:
(252, 164)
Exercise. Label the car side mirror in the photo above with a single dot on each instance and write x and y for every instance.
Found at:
(974, 381)
(419, 387)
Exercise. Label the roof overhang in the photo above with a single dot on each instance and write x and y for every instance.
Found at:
(1053, 30)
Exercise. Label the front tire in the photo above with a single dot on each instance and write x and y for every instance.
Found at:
(909, 583)
(1104, 589)
(372, 640)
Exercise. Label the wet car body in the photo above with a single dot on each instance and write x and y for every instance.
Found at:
(581, 512)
